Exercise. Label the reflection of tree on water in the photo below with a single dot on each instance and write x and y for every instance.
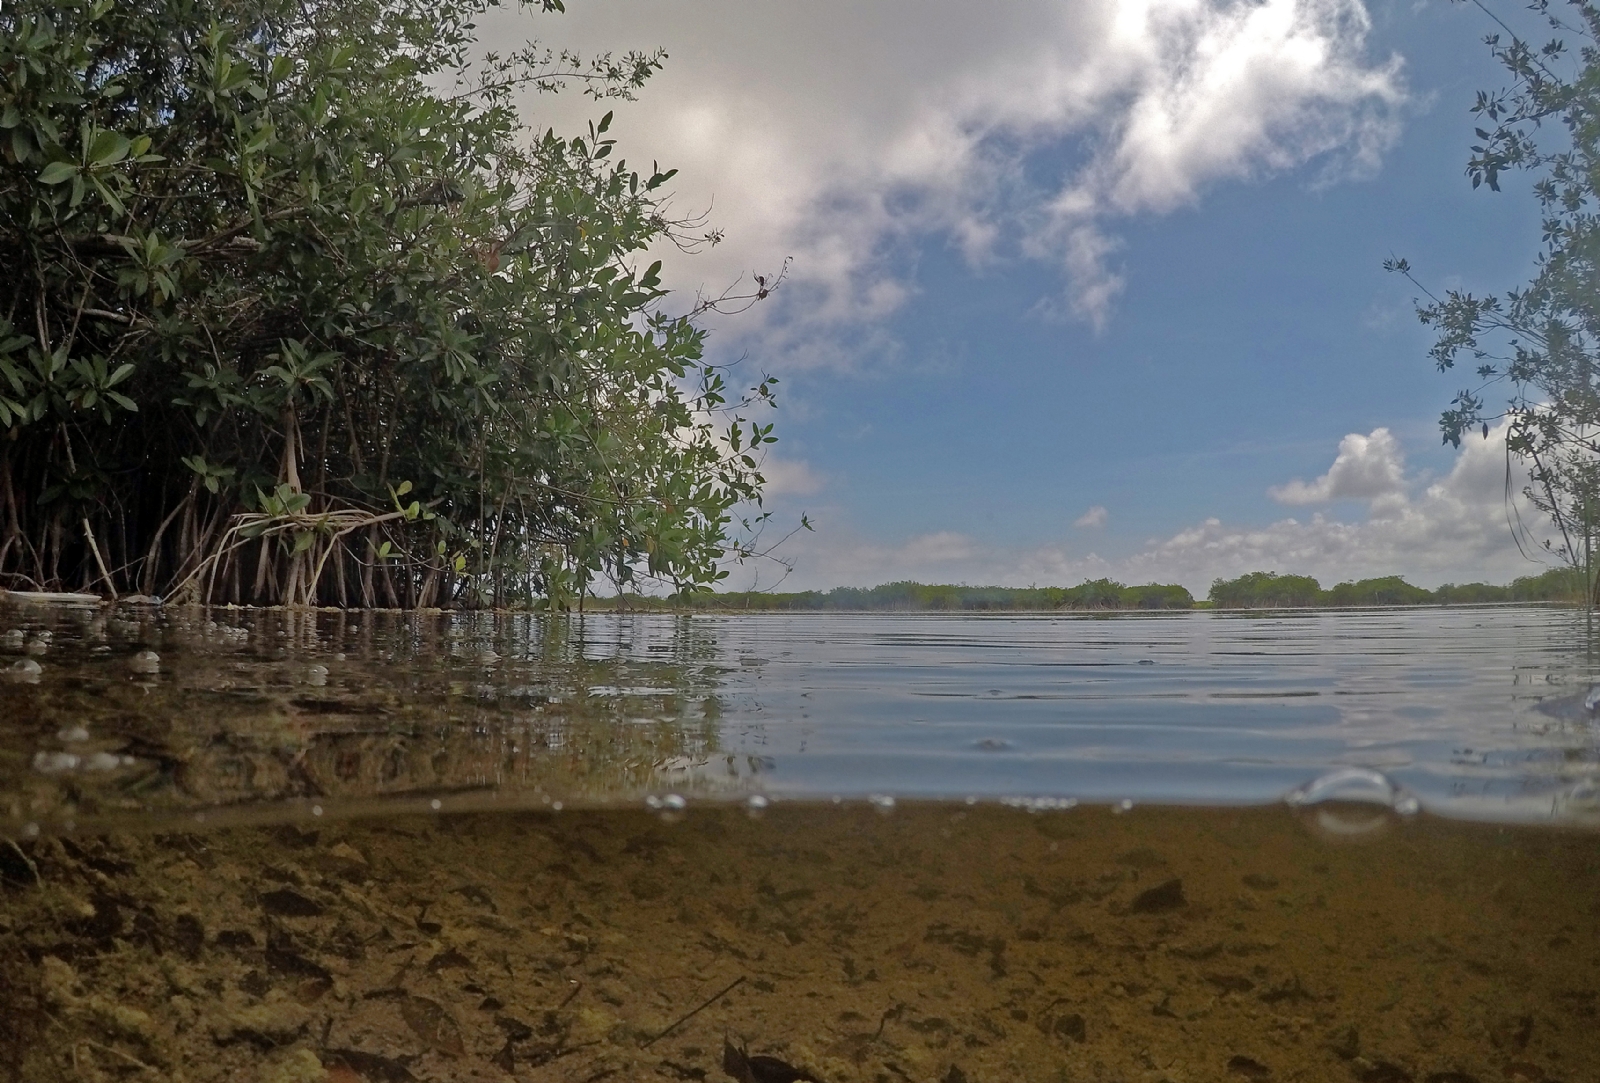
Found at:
(261, 706)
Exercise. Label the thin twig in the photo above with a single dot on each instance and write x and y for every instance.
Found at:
(88, 532)
(730, 987)
(26, 860)
(117, 1053)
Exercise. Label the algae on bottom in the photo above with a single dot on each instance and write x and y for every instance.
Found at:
(940, 943)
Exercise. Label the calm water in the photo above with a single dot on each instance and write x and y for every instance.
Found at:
(1477, 712)
(370, 848)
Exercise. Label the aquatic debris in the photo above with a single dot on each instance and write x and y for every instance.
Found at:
(691, 1013)
(1161, 899)
(429, 1021)
(1070, 1027)
(1592, 700)
(43, 597)
(367, 1066)
(743, 1068)
(288, 903)
(1248, 1067)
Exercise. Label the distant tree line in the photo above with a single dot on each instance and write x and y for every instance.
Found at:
(1268, 590)
(1255, 590)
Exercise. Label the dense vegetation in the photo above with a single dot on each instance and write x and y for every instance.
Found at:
(1267, 590)
(1536, 351)
(907, 595)
(295, 310)
(1256, 590)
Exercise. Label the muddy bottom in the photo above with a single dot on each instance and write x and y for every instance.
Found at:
(935, 944)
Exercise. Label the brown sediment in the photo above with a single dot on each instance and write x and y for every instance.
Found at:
(940, 943)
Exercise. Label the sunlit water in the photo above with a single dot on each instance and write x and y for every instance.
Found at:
(1476, 712)
(374, 848)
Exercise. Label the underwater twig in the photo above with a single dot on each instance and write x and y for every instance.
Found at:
(26, 860)
(571, 996)
(118, 1053)
(730, 987)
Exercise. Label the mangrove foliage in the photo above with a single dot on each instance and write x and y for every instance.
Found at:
(297, 310)
(1535, 352)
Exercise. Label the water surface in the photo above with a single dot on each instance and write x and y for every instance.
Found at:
(1477, 712)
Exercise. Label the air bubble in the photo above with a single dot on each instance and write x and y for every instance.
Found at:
(1125, 805)
(652, 801)
(882, 802)
(317, 675)
(30, 830)
(316, 810)
(1356, 786)
(436, 804)
(70, 734)
(145, 662)
(53, 763)
(102, 761)
(1592, 700)
(675, 802)
(24, 671)
(1035, 804)
(1580, 801)
(757, 802)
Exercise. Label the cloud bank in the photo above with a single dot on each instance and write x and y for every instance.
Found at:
(843, 133)
(1455, 528)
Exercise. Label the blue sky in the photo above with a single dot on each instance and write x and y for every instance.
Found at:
(1104, 254)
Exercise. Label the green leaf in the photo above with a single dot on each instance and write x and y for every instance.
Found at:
(57, 172)
(108, 148)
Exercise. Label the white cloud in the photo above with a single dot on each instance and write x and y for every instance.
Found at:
(840, 132)
(789, 477)
(1094, 517)
(1368, 468)
(1456, 528)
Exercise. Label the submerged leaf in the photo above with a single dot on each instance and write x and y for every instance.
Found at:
(429, 1021)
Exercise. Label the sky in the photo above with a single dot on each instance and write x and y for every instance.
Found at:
(1084, 288)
